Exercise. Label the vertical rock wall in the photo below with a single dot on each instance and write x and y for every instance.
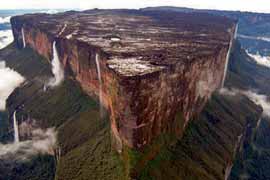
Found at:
(141, 107)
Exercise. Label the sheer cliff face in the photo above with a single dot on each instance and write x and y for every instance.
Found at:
(157, 69)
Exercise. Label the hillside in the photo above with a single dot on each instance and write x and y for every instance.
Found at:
(196, 134)
(80, 137)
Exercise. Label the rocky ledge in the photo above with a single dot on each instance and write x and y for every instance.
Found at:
(152, 70)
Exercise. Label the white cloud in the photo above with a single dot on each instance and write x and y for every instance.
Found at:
(262, 60)
(250, 5)
(4, 20)
(258, 99)
(42, 142)
(228, 92)
(261, 38)
(9, 80)
(6, 37)
(50, 11)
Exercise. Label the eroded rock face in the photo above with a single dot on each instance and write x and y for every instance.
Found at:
(157, 68)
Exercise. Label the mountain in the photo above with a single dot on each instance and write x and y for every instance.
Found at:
(85, 139)
(119, 67)
(141, 95)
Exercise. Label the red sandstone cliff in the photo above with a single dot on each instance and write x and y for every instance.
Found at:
(157, 69)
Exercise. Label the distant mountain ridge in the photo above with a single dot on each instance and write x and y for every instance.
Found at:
(251, 24)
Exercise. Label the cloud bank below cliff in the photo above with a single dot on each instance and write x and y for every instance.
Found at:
(258, 99)
(261, 60)
(260, 38)
(4, 20)
(9, 80)
(6, 37)
(42, 142)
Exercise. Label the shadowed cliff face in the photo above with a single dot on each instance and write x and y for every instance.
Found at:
(157, 70)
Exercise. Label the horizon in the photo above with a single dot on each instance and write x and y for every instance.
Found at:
(76, 9)
(229, 5)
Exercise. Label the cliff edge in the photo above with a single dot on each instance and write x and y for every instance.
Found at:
(153, 71)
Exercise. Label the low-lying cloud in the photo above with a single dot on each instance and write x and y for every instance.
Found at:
(261, 38)
(229, 92)
(261, 60)
(42, 142)
(5, 20)
(9, 80)
(258, 99)
(6, 37)
(51, 11)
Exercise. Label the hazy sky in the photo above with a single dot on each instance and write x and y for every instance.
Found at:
(244, 5)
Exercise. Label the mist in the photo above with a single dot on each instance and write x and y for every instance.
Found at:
(42, 142)
(229, 92)
(259, 99)
(261, 38)
(6, 37)
(261, 60)
(9, 80)
(4, 20)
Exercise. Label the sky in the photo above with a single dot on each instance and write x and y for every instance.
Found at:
(243, 5)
